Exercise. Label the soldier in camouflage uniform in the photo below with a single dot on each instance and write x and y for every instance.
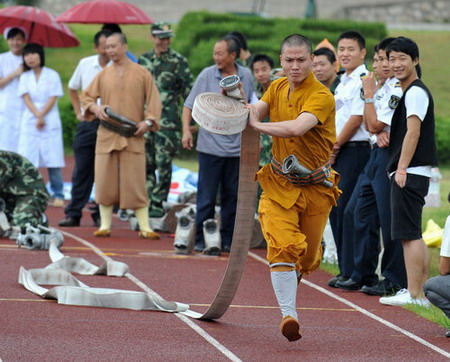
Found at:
(23, 190)
(174, 80)
(263, 73)
(262, 68)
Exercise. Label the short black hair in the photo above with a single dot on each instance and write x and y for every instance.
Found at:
(382, 45)
(407, 46)
(241, 39)
(112, 28)
(327, 52)
(99, 34)
(296, 40)
(262, 58)
(122, 37)
(33, 48)
(354, 35)
(13, 32)
(233, 45)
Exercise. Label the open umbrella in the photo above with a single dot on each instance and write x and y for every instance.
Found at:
(41, 27)
(105, 11)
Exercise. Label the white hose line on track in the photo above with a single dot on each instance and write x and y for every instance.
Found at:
(205, 335)
(364, 311)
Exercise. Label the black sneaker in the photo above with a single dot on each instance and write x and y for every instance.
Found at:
(382, 288)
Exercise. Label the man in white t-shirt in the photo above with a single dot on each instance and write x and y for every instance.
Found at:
(86, 135)
(412, 153)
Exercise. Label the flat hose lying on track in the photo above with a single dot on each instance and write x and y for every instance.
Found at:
(71, 291)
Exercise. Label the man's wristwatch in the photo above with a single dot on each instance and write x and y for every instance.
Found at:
(149, 123)
(369, 100)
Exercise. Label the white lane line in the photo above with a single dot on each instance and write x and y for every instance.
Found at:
(210, 339)
(364, 311)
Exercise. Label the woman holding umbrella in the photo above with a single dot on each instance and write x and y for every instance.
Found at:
(11, 106)
(41, 132)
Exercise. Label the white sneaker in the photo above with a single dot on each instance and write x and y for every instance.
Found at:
(402, 298)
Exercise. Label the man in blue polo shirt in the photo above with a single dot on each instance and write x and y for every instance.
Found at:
(218, 155)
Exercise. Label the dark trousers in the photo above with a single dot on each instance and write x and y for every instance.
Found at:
(350, 163)
(83, 173)
(373, 209)
(217, 173)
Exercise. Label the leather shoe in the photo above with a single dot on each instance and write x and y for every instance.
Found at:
(349, 284)
(69, 221)
(332, 282)
(382, 288)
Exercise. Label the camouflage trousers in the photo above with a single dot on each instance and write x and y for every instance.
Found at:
(160, 149)
(21, 210)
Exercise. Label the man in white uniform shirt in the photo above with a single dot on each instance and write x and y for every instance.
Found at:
(86, 135)
(11, 105)
(352, 148)
(369, 207)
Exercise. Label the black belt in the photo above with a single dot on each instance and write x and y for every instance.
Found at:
(374, 146)
(356, 144)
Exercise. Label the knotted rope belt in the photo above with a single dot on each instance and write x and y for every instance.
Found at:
(299, 175)
(119, 124)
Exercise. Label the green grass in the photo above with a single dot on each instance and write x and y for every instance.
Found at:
(439, 215)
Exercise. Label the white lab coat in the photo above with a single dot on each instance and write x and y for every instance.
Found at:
(11, 105)
(44, 147)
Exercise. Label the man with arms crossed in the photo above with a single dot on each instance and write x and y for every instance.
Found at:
(351, 150)
(293, 216)
(369, 206)
(412, 153)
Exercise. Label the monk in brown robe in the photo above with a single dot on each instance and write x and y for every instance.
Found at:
(128, 89)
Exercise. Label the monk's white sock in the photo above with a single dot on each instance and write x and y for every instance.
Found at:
(142, 218)
(285, 287)
(105, 216)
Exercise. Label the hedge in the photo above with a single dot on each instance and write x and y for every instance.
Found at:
(198, 31)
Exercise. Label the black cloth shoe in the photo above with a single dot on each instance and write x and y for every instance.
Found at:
(382, 288)
(96, 218)
(349, 284)
(332, 282)
(69, 221)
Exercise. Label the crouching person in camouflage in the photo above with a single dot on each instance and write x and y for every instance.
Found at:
(23, 192)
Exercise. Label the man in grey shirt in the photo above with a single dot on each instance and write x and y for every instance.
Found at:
(218, 155)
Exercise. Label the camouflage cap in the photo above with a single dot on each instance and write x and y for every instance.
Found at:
(161, 30)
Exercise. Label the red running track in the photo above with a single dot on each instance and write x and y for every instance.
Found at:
(336, 325)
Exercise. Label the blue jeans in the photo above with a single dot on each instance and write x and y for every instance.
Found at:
(56, 182)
